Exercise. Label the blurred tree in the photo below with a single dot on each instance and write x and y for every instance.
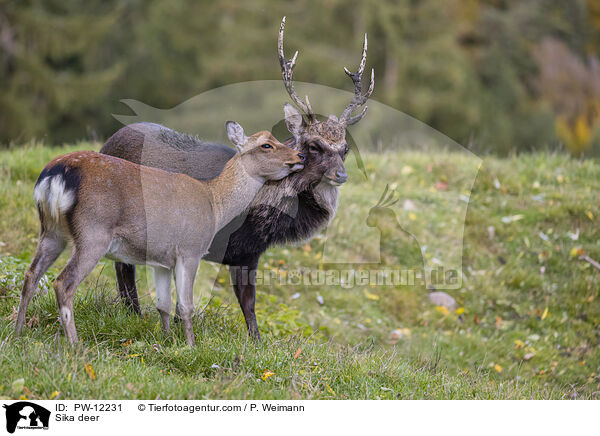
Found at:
(53, 71)
(572, 87)
(473, 69)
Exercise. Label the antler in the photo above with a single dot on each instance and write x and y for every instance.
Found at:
(359, 98)
(387, 200)
(287, 71)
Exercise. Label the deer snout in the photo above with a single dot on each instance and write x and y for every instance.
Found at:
(337, 177)
(341, 176)
(297, 163)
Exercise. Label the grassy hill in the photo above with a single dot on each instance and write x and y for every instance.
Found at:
(526, 325)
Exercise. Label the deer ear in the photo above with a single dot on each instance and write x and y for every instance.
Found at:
(236, 135)
(293, 120)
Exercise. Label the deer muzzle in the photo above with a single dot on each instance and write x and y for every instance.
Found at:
(298, 163)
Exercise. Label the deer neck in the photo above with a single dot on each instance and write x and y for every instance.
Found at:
(233, 190)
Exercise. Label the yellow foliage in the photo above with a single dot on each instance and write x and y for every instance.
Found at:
(443, 310)
(576, 137)
(371, 296)
(577, 133)
(267, 374)
(90, 371)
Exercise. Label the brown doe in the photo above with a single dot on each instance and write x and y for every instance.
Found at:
(111, 207)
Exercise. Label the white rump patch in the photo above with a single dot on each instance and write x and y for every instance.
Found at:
(51, 194)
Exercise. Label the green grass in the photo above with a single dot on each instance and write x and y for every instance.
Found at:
(509, 308)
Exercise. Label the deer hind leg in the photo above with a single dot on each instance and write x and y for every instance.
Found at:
(162, 281)
(185, 273)
(127, 286)
(49, 248)
(84, 257)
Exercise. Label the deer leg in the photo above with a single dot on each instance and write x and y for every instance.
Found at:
(185, 272)
(164, 304)
(48, 250)
(245, 291)
(127, 286)
(84, 257)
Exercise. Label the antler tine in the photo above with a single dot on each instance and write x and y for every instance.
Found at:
(287, 71)
(359, 98)
(355, 119)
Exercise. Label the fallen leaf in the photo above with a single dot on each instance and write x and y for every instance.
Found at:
(33, 321)
(396, 335)
(545, 314)
(267, 374)
(443, 310)
(511, 218)
(90, 371)
(13, 315)
(519, 344)
(576, 251)
(54, 394)
(498, 368)
(370, 296)
(441, 186)
(330, 390)
(297, 353)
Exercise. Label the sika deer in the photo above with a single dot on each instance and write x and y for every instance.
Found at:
(111, 207)
(289, 210)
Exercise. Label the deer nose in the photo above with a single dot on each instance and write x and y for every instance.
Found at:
(341, 176)
(302, 157)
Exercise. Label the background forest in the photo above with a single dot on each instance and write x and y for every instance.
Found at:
(494, 75)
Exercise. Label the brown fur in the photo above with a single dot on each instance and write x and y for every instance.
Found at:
(107, 206)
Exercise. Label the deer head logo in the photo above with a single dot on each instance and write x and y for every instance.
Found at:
(396, 245)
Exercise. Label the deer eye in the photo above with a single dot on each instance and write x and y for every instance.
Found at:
(313, 148)
(266, 146)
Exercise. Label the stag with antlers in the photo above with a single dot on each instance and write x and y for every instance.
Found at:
(284, 211)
